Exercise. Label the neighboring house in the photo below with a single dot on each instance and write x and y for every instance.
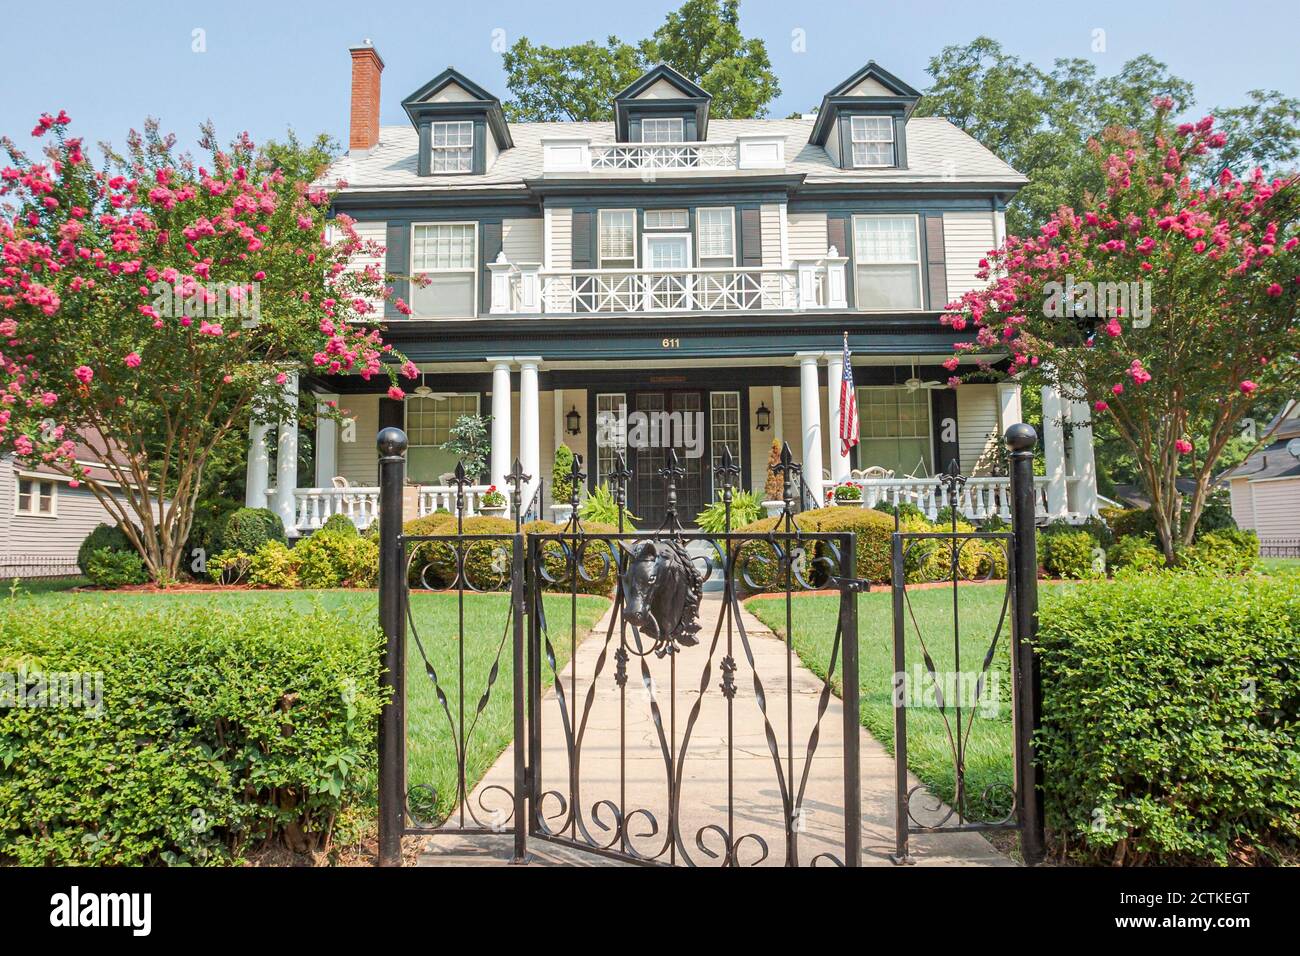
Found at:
(587, 276)
(1266, 487)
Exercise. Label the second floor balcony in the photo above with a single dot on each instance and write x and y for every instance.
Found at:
(578, 154)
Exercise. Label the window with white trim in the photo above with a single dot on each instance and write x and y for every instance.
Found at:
(717, 236)
(872, 140)
(611, 432)
(617, 238)
(35, 497)
(887, 262)
(428, 426)
(662, 130)
(452, 146)
(724, 426)
(444, 254)
(894, 430)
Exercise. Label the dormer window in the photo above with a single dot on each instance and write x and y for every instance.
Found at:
(453, 147)
(663, 130)
(872, 140)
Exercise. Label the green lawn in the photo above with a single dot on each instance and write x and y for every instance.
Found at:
(431, 739)
(988, 754)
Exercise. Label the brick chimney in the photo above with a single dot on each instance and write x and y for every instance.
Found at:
(366, 67)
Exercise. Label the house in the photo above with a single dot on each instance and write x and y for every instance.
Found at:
(1265, 488)
(673, 279)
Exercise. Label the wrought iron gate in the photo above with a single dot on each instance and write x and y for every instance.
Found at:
(660, 683)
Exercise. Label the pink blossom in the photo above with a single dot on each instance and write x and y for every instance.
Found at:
(1248, 386)
(396, 394)
(132, 360)
(23, 445)
(1183, 446)
(1275, 290)
(1117, 388)
(84, 373)
(1100, 406)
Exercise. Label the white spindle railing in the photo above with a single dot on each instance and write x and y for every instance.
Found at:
(977, 499)
(433, 497)
(578, 154)
(314, 506)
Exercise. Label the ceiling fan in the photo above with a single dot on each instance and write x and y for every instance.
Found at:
(914, 383)
(424, 391)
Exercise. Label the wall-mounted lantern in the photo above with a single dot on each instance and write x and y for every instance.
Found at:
(573, 421)
(763, 418)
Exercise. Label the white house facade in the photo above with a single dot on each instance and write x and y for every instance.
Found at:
(1265, 488)
(581, 279)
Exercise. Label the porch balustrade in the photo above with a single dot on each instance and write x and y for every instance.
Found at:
(314, 506)
(977, 500)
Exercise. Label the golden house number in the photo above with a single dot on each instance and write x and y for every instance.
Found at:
(672, 343)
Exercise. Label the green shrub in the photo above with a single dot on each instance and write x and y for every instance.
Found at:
(229, 567)
(904, 509)
(1136, 554)
(746, 508)
(757, 568)
(439, 522)
(1226, 551)
(216, 731)
(601, 508)
(102, 536)
(931, 559)
(247, 529)
(561, 469)
(874, 530)
(1171, 707)
(487, 563)
(340, 524)
(331, 559)
(112, 569)
(1069, 554)
(1129, 522)
(600, 568)
(273, 565)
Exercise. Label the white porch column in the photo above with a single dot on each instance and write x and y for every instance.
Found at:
(810, 409)
(834, 375)
(1082, 460)
(500, 421)
(557, 409)
(1009, 408)
(286, 464)
(778, 414)
(256, 477)
(326, 445)
(1054, 453)
(530, 426)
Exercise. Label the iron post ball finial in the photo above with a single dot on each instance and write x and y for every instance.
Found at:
(1021, 437)
(391, 442)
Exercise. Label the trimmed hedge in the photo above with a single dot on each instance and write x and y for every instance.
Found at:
(757, 567)
(600, 567)
(247, 529)
(1172, 719)
(112, 569)
(216, 731)
(102, 537)
(1069, 554)
(875, 530)
(331, 559)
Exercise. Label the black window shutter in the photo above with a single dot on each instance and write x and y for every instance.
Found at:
(751, 237)
(936, 262)
(584, 240)
(491, 243)
(397, 262)
(391, 414)
(634, 130)
(943, 420)
(837, 235)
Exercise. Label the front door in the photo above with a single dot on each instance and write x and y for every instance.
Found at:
(667, 420)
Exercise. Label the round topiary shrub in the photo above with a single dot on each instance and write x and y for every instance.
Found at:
(102, 537)
(247, 529)
(599, 567)
(339, 524)
(758, 567)
(1135, 554)
(486, 562)
(1069, 554)
(874, 529)
(113, 569)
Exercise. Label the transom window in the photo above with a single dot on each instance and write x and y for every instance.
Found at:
(662, 130)
(894, 429)
(872, 140)
(617, 239)
(666, 219)
(35, 497)
(453, 146)
(887, 261)
(724, 425)
(428, 426)
(444, 255)
(717, 237)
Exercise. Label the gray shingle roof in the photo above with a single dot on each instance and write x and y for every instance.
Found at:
(937, 152)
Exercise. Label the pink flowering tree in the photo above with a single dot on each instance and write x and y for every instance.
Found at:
(149, 309)
(1169, 306)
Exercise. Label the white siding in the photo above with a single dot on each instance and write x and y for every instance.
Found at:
(1277, 507)
(521, 240)
(561, 239)
(808, 236)
(977, 426)
(78, 512)
(1243, 502)
(372, 232)
(967, 238)
(760, 443)
(357, 460)
(770, 217)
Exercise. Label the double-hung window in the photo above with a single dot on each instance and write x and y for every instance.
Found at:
(428, 427)
(717, 236)
(887, 262)
(452, 145)
(443, 256)
(894, 425)
(662, 130)
(35, 497)
(617, 238)
(872, 140)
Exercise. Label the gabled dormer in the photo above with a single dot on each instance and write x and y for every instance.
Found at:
(461, 125)
(662, 106)
(862, 123)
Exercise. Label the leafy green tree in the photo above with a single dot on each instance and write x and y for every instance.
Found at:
(701, 40)
(468, 440)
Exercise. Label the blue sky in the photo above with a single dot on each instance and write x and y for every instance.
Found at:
(270, 65)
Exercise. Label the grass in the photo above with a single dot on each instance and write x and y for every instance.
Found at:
(1280, 565)
(431, 739)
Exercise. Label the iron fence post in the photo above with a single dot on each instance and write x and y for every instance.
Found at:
(1028, 703)
(517, 597)
(898, 581)
(392, 661)
(849, 682)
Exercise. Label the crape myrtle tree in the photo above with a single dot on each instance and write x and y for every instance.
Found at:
(1220, 335)
(150, 308)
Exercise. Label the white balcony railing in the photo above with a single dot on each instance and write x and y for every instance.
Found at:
(806, 284)
(314, 506)
(432, 497)
(977, 499)
(577, 154)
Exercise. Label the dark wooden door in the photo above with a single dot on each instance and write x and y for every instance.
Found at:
(673, 419)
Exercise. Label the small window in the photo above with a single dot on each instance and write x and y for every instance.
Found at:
(872, 140)
(662, 130)
(453, 147)
(35, 498)
(617, 239)
(887, 262)
(444, 254)
(665, 219)
(717, 228)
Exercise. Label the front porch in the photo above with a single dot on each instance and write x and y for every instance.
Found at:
(912, 428)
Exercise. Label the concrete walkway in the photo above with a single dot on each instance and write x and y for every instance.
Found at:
(756, 807)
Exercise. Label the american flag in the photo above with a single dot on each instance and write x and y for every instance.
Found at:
(848, 403)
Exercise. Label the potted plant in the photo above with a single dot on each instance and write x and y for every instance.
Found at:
(492, 502)
(562, 485)
(847, 493)
(773, 503)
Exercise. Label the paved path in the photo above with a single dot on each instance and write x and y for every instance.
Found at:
(757, 805)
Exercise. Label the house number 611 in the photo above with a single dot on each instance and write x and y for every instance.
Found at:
(672, 343)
